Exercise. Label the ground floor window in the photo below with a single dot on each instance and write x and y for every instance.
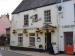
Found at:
(32, 39)
(20, 39)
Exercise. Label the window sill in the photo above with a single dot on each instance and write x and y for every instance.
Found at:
(48, 23)
(25, 25)
(31, 46)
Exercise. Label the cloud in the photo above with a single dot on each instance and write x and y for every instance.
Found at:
(7, 6)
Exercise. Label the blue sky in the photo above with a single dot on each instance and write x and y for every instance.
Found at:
(7, 6)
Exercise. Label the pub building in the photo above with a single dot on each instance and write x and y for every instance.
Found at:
(44, 25)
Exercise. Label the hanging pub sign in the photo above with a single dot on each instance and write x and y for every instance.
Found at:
(39, 31)
(34, 18)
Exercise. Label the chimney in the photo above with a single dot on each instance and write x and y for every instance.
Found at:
(7, 15)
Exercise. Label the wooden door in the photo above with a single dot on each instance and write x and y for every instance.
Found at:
(68, 42)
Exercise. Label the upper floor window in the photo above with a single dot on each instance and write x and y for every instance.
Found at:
(26, 20)
(47, 16)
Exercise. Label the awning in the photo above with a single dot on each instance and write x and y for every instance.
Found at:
(47, 26)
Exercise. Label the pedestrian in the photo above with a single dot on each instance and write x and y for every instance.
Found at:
(51, 50)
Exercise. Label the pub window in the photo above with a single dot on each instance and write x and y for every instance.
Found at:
(26, 20)
(20, 39)
(32, 39)
(47, 16)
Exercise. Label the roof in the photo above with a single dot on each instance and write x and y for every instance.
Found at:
(33, 4)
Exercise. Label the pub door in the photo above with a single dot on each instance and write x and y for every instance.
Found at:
(49, 47)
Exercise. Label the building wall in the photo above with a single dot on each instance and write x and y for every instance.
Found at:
(4, 24)
(18, 24)
(66, 18)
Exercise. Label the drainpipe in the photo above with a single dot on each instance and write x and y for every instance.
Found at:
(58, 27)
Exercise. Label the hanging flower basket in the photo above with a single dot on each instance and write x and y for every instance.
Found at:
(37, 30)
(41, 31)
(14, 32)
(52, 31)
(24, 31)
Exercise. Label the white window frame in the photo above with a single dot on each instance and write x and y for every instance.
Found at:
(20, 36)
(47, 16)
(26, 20)
(33, 41)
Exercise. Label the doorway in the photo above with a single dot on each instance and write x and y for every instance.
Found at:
(49, 47)
(68, 42)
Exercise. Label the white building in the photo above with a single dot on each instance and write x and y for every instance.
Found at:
(41, 25)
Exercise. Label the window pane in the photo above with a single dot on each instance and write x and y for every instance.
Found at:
(32, 41)
(26, 20)
(47, 16)
(20, 39)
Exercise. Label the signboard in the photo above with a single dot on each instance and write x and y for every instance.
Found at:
(68, 26)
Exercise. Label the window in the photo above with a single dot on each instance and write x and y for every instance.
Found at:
(47, 16)
(26, 20)
(32, 39)
(20, 39)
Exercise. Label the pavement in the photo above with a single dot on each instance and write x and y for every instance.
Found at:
(7, 52)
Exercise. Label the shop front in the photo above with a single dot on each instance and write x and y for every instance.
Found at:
(68, 42)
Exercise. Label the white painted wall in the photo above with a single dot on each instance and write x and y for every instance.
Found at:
(68, 19)
(57, 37)
(18, 21)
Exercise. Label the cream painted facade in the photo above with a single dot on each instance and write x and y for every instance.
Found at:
(59, 19)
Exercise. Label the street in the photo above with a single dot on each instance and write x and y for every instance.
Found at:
(27, 53)
(9, 53)
(5, 51)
